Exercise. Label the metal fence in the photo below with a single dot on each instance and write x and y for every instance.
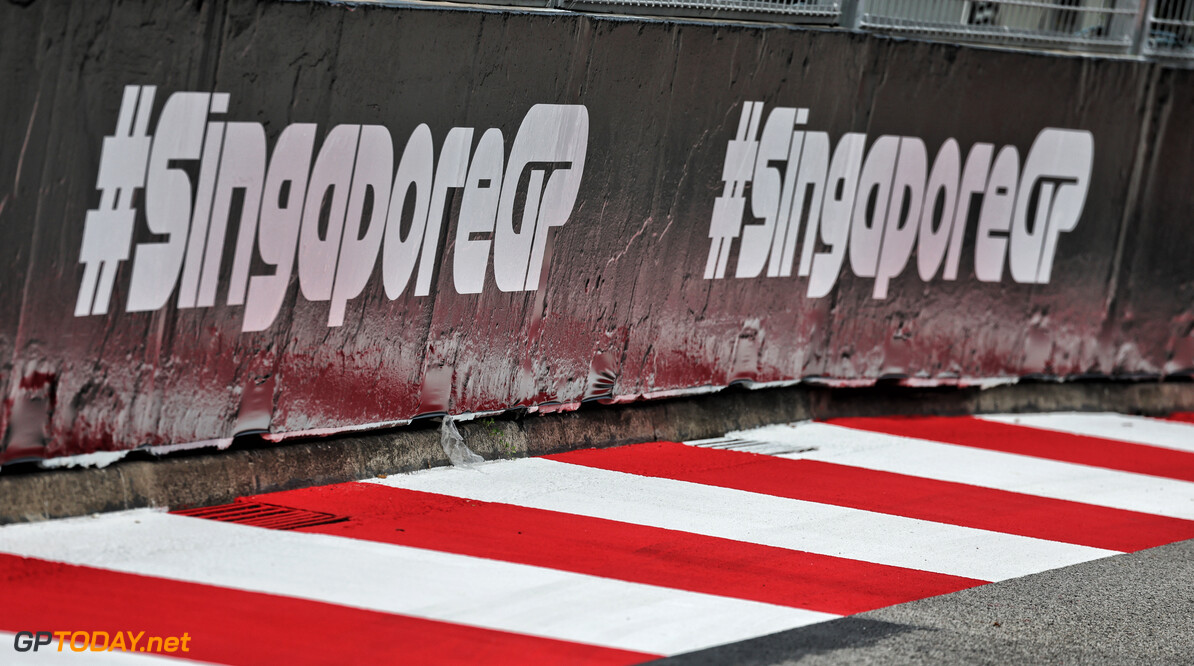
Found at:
(1170, 29)
(1108, 25)
(805, 11)
(1155, 28)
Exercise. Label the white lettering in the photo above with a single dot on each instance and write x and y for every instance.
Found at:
(880, 209)
(478, 211)
(178, 136)
(278, 230)
(842, 184)
(402, 247)
(551, 144)
(330, 219)
(362, 233)
(324, 212)
(995, 219)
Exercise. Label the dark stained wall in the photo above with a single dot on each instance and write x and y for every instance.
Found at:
(621, 169)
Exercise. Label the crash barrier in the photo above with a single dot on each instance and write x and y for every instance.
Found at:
(1161, 28)
(286, 218)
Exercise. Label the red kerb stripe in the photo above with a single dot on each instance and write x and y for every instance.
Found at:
(887, 492)
(1035, 442)
(611, 549)
(237, 627)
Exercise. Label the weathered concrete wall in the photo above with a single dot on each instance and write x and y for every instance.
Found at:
(317, 217)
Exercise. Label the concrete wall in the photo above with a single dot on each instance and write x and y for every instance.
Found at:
(229, 216)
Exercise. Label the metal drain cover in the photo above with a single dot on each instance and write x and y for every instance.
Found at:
(257, 514)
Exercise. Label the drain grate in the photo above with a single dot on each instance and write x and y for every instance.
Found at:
(256, 514)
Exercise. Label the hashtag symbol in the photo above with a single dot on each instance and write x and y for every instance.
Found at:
(108, 230)
(737, 172)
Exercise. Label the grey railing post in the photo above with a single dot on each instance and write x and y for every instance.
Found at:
(851, 13)
(1140, 30)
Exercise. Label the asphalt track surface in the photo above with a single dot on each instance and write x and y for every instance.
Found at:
(865, 540)
(1136, 608)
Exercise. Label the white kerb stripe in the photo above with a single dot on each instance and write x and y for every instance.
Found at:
(48, 655)
(410, 581)
(750, 517)
(1134, 429)
(980, 467)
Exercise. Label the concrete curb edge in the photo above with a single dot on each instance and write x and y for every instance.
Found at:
(207, 478)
